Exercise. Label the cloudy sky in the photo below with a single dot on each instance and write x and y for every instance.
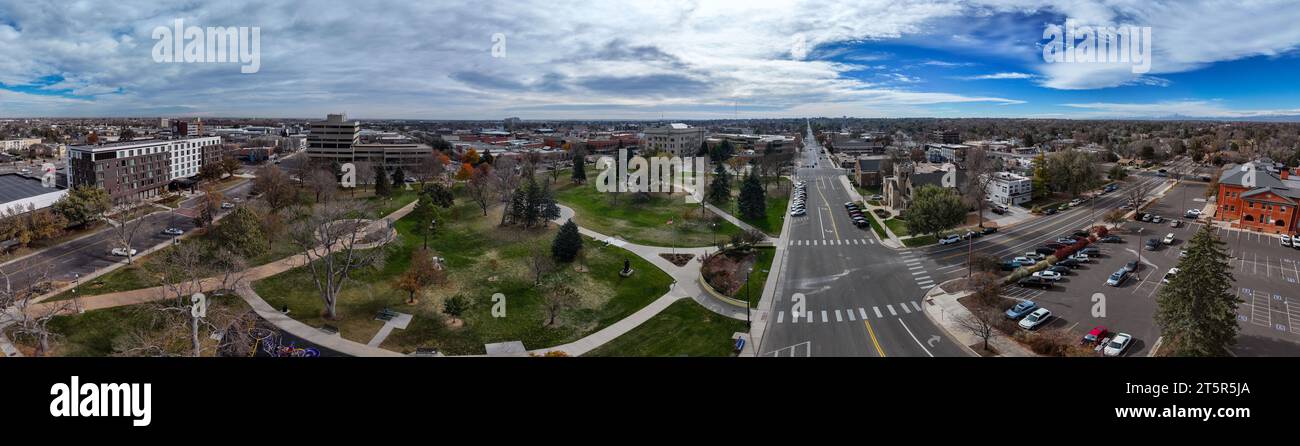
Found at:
(646, 60)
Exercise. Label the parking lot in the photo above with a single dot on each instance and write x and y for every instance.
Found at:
(1267, 278)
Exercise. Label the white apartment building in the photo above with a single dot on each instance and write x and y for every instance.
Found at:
(678, 139)
(15, 145)
(1010, 189)
(332, 139)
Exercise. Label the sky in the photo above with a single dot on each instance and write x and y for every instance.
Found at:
(606, 59)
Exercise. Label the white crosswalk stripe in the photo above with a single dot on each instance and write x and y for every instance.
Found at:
(878, 314)
(838, 316)
(891, 310)
(850, 314)
(780, 316)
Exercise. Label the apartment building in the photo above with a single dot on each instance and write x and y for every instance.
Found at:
(678, 139)
(18, 145)
(1009, 189)
(138, 170)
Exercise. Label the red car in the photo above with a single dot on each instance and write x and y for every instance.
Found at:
(1094, 336)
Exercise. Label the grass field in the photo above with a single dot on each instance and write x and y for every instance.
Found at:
(683, 329)
(920, 241)
(898, 226)
(483, 259)
(644, 220)
(778, 197)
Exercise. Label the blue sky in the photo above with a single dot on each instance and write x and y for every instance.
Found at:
(677, 59)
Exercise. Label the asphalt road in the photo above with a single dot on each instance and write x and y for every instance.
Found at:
(68, 261)
(859, 298)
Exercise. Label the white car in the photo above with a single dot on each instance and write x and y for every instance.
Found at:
(1024, 261)
(1286, 240)
(1118, 344)
(1035, 319)
(949, 240)
(1196, 212)
(123, 252)
(1048, 275)
(798, 212)
(173, 231)
(1081, 257)
(1169, 275)
(227, 205)
(1157, 219)
(1169, 239)
(1035, 256)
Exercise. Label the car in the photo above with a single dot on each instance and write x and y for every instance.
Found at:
(1286, 240)
(798, 212)
(1069, 263)
(1066, 241)
(1111, 188)
(1118, 344)
(1131, 266)
(1010, 265)
(1117, 278)
(1094, 336)
(1175, 223)
(876, 198)
(1157, 219)
(1169, 239)
(1169, 275)
(1059, 269)
(1036, 282)
(1182, 253)
(1036, 319)
(1050, 211)
(1063, 207)
(989, 230)
(1035, 256)
(1192, 214)
(1112, 239)
(1024, 260)
(1075, 202)
(1151, 244)
(227, 205)
(1091, 251)
(970, 235)
(1021, 309)
(123, 252)
(1146, 217)
(949, 240)
(1047, 251)
(1081, 257)
(1081, 234)
(173, 231)
(850, 204)
(1048, 275)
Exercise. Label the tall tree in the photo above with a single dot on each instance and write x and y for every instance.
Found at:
(382, 186)
(241, 231)
(934, 209)
(1196, 311)
(479, 186)
(720, 186)
(579, 166)
(567, 243)
(752, 202)
(84, 204)
(331, 241)
(399, 176)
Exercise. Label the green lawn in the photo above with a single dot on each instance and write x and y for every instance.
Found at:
(482, 260)
(95, 333)
(758, 277)
(920, 241)
(683, 329)
(777, 199)
(875, 224)
(644, 220)
(898, 226)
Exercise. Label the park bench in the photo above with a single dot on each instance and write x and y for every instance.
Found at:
(386, 315)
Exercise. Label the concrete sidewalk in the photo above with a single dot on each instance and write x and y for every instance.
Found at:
(942, 308)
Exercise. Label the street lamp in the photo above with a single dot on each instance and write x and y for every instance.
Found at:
(748, 323)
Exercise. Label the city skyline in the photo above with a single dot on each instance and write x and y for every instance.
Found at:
(685, 60)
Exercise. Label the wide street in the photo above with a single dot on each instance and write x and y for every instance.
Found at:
(66, 262)
(859, 298)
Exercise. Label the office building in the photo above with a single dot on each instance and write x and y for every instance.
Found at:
(678, 139)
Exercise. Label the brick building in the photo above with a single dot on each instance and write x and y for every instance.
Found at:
(1269, 206)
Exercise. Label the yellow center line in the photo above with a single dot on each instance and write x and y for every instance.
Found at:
(834, 226)
(874, 341)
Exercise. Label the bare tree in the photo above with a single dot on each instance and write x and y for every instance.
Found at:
(979, 175)
(29, 318)
(275, 186)
(330, 238)
(130, 218)
(322, 183)
(981, 323)
(540, 262)
(558, 296)
(479, 187)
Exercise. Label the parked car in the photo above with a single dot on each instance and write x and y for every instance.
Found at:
(1169, 239)
(1080, 234)
(1131, 266)
(798, 212)
(1063, 207)
(1066, 241)
(1035, 256)
(1112, 239)
(227, 205)
(1170, 275)
(1010, 266)
(949, 240)
(1192, 213)
(1118, 344)
(1151, 244)
(989, 230)
(1094, 336)
(1081, 257)
(1036, 319)
(123, 252)
(1024, 260)
(1286, 240)
(1146, 217)
(1036, 282)
(1069, 263)
(173, 231)
(1021, 309)
(1157, 219)
(1049, 211)
(1091, 251)
(1048, 275)
(1046, 250)
(1075, 202)
(850, 204)
(1054, 245)
(1175, 223)
(1117, 278)
(1059, 269)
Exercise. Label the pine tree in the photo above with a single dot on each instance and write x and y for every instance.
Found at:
(533, 197)
(518, 206)
(546, 205)
(399, 177)
(567, 243)
(720, 187)
(1196, 311)
(753, 200)
(382, 188)
(579, 167)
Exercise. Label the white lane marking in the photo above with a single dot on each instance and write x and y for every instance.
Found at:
(780, 316)
(809, 316)
(915, 267)
(824, 319)
(891, 310)
(838, 317)
(928, 286)
(849, 312)
(878, 314)
(916, 305)
(905, 309)
(918, 341)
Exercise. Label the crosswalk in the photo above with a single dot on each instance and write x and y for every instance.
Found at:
(856, 314)
(833, 242)
(918, 272)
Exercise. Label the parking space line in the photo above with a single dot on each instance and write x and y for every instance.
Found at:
(780, 316)
(838, 317)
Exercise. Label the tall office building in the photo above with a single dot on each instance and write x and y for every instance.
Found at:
(332, 139)
(678, 139)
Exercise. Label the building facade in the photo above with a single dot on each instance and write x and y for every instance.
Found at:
(136, 170)
(1268, 205)
(678, 139)
(332, 139)
(18, 145)
(1009, 189)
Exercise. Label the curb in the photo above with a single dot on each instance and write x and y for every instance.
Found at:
(716, 295)
(929, 301)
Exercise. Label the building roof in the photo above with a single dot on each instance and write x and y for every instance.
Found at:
(1264, 179)
(869, 164)
(14, 187)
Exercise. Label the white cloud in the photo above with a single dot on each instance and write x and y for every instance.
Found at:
(1165, 109)
(1005, 75)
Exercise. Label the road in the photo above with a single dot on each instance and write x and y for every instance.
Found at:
(68, 261)
(859, 297)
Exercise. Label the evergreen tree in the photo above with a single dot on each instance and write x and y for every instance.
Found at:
(533, 195)
(546, 205)
(753, 199)
(720, 187)
(704, 149)
(399, 177)
(567, 243)
(241, 231)
(1196, 311)
(579, 166)
(382, 188)
(518, 206)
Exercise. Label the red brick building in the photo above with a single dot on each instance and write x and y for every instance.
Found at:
(1270, 206)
